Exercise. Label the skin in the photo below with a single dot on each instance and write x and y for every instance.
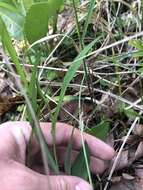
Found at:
(14, 175)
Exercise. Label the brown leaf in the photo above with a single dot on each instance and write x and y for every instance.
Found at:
(124, 184)
(126, 159)
(72, 108)
(138, 130)
(7, 103)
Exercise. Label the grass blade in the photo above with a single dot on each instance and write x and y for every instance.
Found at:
(69, 76)
(7, 44)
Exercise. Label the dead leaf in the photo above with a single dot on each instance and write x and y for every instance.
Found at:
(138, 130)
(126, 159)
(107, 106)
(72, 108)
(127, 176)
(124, 184)
(7, 103)
(130, 94)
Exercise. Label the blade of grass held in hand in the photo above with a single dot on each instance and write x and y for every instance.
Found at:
(33, 97)
(68, 161)
(32, 89)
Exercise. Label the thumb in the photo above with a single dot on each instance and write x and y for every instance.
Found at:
(65, 183)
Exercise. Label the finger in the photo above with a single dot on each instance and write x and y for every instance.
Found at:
(97, 166)
(69, 182)
(15, 176)
(63, 135)
(17, 135)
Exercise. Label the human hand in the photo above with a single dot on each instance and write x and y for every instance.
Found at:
(14, 175)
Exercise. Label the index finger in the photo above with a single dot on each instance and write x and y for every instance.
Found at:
(63, 135)
(18, 134)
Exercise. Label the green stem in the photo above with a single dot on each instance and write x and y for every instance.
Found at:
(82, 47)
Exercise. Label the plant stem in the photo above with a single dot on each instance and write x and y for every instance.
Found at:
(82, 47)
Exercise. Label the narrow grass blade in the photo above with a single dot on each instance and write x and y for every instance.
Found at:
(7, 44)
(69, 76)
(33, 91)
(53, 166)
(88, 18)
(67, 163)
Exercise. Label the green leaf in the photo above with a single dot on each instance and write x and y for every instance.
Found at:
(67, 163)
(137, 44)
(100, 131)
(138, 54)
(130, 113)
(27, 4)
(88, 17)
(37, 19)
(32, 89)
(7, 44)
(13, 18)
(49, 156)
(79, 166)
(9, 7)
(32, 92)
(55, 5)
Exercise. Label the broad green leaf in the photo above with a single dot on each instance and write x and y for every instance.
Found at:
(13, 18)
(55, 5)
(37, 19)
(7, 44)
(27, 3)
(100, 131)
(9, 7)
(10, 2)
(79, 166)
(69, 76)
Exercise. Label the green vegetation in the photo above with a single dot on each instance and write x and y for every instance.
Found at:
(75, 62)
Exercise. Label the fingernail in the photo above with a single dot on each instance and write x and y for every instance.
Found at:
(83, 186)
